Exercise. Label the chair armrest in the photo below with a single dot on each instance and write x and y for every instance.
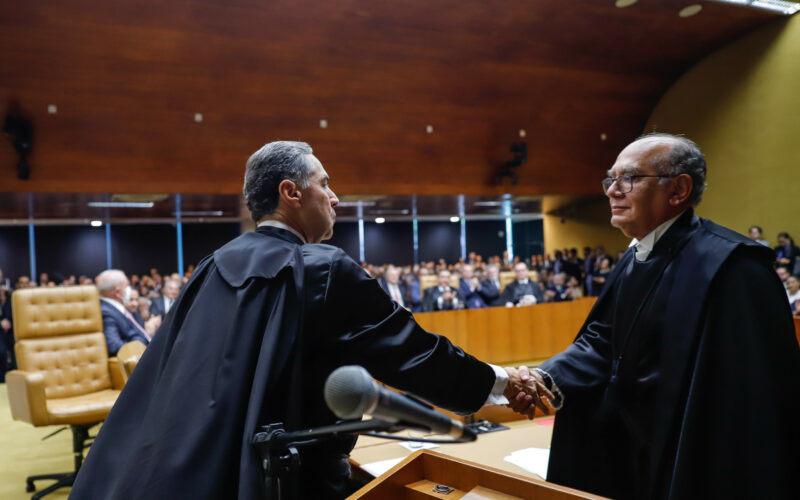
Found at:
(27, 397)
(117, 373)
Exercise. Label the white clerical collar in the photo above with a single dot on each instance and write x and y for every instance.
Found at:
(646, 244)
(119, 307)
(523, 282)
(281, 225)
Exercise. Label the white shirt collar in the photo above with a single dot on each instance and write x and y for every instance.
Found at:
(119, 307)
(646, 244)
(281, 225)
(523, 282)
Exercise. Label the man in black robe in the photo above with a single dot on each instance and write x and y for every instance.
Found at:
(522, 291)
(251, 340)
(684, 382)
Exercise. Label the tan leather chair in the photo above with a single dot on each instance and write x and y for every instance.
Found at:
(430, 280)
(65, 376)
(129, 354)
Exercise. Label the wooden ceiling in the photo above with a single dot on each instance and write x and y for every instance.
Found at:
(128, 78)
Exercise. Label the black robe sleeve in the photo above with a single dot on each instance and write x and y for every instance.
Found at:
(373, 331)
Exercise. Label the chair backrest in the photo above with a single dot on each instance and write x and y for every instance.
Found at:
(129, 355)
(59, 333)
(430, 280)
(505, 278)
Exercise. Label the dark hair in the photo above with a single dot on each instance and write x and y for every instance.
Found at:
(784, 234)
(757, 227)
(267, 168)
(683, 157)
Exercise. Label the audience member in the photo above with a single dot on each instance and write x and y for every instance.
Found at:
(491, 285)
(169, 292)
(786, 251)
(558, 291)
(522, 291)
(4, 281)
(392, 285)
(23, 282)
(7, 359)
(793, 289)
(755, 233)
(132, 305)
(475, 296)
(119, 326)
(783, 273)
(572, 266)
(601, 275)
(442, 297)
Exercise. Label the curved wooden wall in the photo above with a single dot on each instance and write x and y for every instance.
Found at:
(504, 335)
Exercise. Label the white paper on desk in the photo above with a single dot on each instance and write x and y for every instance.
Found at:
(531, 459)
(378, 468)
(418, 445)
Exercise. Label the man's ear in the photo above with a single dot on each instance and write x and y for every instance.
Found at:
(288, 193)
(682, 191)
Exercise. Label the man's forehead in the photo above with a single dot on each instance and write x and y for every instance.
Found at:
(633, 158)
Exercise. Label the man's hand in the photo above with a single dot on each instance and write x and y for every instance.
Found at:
(447, 296)
(526, 390)
(5, 324)
(152, 324)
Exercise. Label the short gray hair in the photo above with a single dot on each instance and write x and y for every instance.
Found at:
(267, 168)
(682, 157)
(108, 280)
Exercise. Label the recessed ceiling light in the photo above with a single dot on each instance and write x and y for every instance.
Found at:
(625, 3)
(429, 129)
(454, 219)
(690, 10)
(121, 204)
(522, 132)
(323, 124)
(787, 8)
(198, 117)
(96, 223)
(603, 136)
(379, 220)
(52, 109)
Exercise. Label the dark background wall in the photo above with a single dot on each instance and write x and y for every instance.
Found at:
(486, 237)
(14, 259)
(135, 248)
(439, 240)
(345, 236)
(65, 250)
(528, 238)
(201, 239)
(389, 243)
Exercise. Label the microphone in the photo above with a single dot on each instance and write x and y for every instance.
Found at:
(351, 393)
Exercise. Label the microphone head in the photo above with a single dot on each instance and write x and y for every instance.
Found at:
(349, 390)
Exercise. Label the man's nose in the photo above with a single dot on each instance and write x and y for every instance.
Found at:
(334, 199)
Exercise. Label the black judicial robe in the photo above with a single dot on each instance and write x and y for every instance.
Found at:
(250, 341)
(688, 388)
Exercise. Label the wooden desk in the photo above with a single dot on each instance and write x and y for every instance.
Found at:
(490, 449)
(508, 335)
(797, 327)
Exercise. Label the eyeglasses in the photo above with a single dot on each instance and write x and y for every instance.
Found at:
(625, 182)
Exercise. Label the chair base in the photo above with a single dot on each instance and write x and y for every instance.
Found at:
(80, 441)
(62, 480)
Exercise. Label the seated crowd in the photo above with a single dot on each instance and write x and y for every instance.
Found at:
(133, 308)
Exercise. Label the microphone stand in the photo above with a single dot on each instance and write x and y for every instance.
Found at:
(280, 459)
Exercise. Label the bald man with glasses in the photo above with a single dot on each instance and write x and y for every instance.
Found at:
(684, 382)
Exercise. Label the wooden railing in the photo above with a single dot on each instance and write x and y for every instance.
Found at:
(507, 335)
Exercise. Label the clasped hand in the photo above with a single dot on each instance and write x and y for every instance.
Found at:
(526, 391)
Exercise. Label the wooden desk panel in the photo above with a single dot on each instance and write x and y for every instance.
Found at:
(507, 335)
(797, 327)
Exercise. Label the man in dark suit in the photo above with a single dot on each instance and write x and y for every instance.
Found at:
(491, 285)
(169, 292)
(475, 295)
(395, 288)
(522, 291)
(119, 326)
(683, 382)
(442, 297)
(251, 340)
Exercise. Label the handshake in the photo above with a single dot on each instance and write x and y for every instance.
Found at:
(526, 391)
